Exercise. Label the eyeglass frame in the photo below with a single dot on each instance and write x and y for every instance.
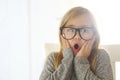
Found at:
(77, 29)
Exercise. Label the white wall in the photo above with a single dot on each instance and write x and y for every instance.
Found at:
(14, 40)
(43, 29)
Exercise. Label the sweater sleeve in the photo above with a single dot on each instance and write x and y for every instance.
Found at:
(103, 68)
(63, 72)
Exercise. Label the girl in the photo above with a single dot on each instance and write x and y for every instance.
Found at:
(79, 57)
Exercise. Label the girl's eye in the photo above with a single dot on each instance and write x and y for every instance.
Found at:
(85, 30)
(70, 30)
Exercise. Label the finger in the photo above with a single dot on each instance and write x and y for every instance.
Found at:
(87, 46)
(84, 47)
(67, 43)
(90, 43)
(84, 50)
(63, 42)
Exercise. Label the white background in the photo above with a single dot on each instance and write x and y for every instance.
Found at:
(26, 25)
(117, 70)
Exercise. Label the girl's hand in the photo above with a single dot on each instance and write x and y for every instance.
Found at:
(86, 48)
(65, 43)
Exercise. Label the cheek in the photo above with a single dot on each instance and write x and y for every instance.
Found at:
(71, 42)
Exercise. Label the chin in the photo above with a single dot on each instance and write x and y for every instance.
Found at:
(75, 53)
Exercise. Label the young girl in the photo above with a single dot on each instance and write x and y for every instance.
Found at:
(79, 57)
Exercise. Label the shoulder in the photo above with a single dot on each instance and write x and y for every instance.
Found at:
(49, 62)
(51, 56)
(102, 56)
(102, 53)
(103, 65)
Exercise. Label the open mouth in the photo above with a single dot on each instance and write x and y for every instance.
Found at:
(76, 46)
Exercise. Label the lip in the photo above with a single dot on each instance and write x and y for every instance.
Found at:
(76, 48)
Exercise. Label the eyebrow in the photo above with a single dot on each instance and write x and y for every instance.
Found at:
(70, 25)
(76, 26)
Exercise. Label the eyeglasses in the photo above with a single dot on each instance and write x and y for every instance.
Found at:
(85, 33)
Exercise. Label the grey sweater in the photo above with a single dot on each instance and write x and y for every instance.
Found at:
(77, 68)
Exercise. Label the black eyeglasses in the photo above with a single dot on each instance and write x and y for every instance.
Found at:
(85, 33)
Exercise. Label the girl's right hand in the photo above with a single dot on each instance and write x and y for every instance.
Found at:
(65, 43)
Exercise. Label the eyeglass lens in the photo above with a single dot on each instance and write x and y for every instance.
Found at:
(85, 33)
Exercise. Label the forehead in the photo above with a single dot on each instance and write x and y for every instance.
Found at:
(80, 21)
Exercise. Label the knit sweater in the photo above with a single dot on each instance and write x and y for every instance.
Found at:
(77, 68)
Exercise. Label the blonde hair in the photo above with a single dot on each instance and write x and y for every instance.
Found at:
(74, 12)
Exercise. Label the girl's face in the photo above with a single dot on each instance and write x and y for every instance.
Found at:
(81, 21)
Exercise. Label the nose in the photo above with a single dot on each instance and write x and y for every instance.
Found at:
(77, 36)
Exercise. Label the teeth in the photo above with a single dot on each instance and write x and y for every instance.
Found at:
(76, 46)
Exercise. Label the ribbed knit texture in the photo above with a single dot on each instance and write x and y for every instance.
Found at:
(77, 68)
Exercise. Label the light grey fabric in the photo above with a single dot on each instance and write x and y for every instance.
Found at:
(77, 68)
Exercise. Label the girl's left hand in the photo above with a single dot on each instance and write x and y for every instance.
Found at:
(86, 48)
